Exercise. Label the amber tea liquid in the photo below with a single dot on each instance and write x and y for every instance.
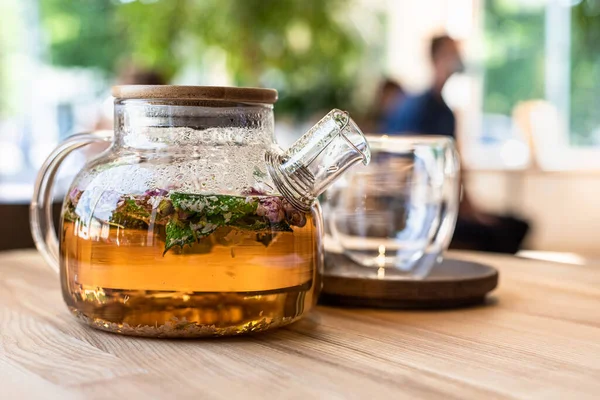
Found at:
(232, 281)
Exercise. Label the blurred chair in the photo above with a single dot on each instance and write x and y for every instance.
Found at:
(544, 129)
(15, 233)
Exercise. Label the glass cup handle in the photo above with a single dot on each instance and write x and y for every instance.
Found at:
(448, 219)
(40, 211)
(443, 236)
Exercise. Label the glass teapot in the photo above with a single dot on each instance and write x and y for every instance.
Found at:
(193, 223)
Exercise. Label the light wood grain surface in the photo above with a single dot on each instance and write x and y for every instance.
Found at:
(538, 338)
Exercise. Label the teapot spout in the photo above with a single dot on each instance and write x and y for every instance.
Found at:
(318, 159)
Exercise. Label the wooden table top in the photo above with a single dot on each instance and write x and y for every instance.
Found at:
(539, 337)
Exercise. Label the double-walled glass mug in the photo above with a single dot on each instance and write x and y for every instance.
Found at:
(398, 214)
(193, 223)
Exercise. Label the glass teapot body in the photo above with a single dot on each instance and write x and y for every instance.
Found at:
(178, 229)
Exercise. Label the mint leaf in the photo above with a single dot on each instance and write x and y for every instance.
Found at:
(133, 210)
(178, 234)
(230, 207)
(200, 215)
(129, 214)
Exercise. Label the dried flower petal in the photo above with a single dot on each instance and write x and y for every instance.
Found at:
(271, 208)
(293, 215)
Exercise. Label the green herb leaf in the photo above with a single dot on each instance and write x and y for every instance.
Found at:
(130, 215)
(133, 210)
(230, 207)
(201, 215)
(178, 234)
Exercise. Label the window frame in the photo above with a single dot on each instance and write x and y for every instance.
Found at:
(564, 156)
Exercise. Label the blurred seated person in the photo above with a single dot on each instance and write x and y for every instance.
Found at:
(390, 96)
(428, 114)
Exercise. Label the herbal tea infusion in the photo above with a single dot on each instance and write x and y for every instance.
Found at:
(176, 264)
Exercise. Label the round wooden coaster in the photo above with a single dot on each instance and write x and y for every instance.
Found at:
(451, 283)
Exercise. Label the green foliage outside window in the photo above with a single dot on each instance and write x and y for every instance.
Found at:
(82, 33)
(585, 73)
(514, 63)
(306, 48)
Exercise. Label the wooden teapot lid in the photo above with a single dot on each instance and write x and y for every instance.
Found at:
(230, 94)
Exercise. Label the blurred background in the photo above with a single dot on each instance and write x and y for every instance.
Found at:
(525, 103)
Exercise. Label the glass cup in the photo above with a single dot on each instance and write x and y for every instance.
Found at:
(398, 214)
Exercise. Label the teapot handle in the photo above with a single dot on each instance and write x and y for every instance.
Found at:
(40, 211)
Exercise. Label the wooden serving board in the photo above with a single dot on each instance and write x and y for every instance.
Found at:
(451, 283)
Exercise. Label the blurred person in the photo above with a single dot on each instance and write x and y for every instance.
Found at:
(390, 95)
(428, 114)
